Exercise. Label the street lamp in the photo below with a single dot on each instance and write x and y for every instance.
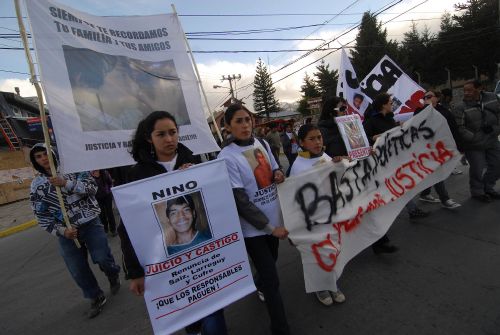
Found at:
(229, 88)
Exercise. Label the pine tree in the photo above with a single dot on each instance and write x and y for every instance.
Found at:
(264, 101)
(309, 90)
(416, 54)
(326, 80)
(470, 38)
(371, 46)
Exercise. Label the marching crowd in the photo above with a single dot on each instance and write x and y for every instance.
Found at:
(474, 124)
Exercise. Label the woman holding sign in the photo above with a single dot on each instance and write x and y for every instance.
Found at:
(380, 122)
(157, 150)
(258, 206)
(312, 154)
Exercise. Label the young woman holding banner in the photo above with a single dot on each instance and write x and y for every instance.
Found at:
(258, 206)
(157, 150)
(312, 154)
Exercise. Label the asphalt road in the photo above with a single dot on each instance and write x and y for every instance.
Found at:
(444, 280)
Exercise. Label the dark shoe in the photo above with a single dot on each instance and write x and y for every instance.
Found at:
(483, 198)
(384, 249)
(417, 213)
(114, 284)
(96, 306)
(493, 195)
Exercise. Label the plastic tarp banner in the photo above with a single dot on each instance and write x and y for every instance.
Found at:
(336, 210)
(102, 75)
(185, 230)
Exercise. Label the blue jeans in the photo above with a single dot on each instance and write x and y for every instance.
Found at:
(213, 324)
(93, 239)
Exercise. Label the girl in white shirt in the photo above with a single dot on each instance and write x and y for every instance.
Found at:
(312, 154)
(254, 173)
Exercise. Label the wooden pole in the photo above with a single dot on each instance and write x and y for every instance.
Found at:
(43, 116)
(198, 76)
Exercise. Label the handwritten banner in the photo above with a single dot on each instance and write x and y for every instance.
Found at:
(335, 211)
(184, 228)
(102, 75)
(388, 77)
(348, 87)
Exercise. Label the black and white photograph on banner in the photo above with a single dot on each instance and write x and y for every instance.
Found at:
(116, 92)
(183, 221)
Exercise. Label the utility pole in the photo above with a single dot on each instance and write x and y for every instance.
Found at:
(230, 78)
(449, 78)
(476, 73)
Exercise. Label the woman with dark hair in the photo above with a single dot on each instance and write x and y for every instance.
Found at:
(261, 221)
(432, 97)
(157, 150)
(312, 154)
(332, 139)
(180, 228)
(375, 126)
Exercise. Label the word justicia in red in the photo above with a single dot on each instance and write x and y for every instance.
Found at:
(408, 174)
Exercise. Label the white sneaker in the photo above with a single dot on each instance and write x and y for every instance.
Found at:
(260, 294)
(456, 171)
(324, 297)
(428, 198)
(338, 297)
(450, 204)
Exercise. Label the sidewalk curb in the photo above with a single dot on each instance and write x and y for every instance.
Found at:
(18, 228)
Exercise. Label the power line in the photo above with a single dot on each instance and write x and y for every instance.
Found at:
(450, 38)
(305, 55)
(253, 39)
(14, 72)
(341, 48)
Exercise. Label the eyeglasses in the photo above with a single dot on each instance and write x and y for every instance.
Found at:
(341, 109)
(428, 96)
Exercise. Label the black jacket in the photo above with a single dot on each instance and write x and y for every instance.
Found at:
(332, 139)
(450, 119)
(378, 124)
(142, 170)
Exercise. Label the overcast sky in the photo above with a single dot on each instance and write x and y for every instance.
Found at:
(323, 21)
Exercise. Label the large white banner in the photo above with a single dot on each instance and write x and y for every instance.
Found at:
(348, 86)
(336, 210)
(388, 77)
(185, 230)
(102, 75)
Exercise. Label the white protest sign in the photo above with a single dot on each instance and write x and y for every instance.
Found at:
(354, 136)
(185, 231)
(388, 77)
(335, 211)
(102, 75)
(348, 86)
